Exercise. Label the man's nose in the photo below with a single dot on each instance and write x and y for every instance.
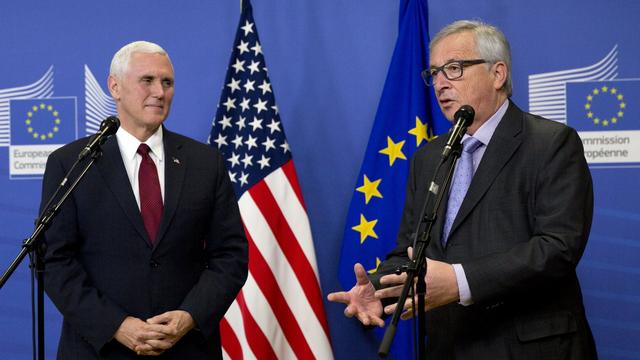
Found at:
(439, 80)
(157, 90)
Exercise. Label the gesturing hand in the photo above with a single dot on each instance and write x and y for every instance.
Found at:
(442, 287)
(360, 300)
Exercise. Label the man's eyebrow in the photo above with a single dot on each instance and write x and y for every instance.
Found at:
(446, 62)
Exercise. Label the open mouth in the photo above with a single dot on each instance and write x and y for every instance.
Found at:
(445, 102)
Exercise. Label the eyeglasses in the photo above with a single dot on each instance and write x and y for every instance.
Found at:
(451, 70)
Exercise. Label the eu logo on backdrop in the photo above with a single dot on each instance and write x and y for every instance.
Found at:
(606, 115)
(604, 112)
(604, 105)
(38, 127)
(33, 123)
(42, 121)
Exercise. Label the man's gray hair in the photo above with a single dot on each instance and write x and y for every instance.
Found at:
(120, 61)
(491, 44)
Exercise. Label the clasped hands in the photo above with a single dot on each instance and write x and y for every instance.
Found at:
(364, 301)
(157, 334)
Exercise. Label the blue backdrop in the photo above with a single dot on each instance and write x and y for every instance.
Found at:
(327, 61)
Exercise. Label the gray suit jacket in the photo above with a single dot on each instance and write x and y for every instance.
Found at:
(101, 266)
(519, 235)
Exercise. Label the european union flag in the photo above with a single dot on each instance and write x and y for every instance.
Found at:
(604, 105)
(407, 117)
(44, 121)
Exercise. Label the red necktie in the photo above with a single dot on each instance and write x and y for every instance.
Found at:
(151, 206)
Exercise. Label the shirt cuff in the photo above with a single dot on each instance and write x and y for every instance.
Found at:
(463, 286)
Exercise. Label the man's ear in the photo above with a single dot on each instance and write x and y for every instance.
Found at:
(500, 73)
(114, 87)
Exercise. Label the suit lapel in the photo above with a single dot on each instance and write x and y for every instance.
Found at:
(441, 211)
(504, 143)
(114, 173)
(424, 173)
(174, 170)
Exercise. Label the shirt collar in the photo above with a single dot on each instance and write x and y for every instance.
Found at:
(486, 130)
(129, 144)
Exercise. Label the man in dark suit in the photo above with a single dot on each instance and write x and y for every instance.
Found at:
(501, 280)
(148, 253)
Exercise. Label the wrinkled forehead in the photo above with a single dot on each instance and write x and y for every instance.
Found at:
(150, 62)
(458, 46)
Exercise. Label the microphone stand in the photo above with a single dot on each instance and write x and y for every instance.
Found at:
(35, 246)
(417, 267)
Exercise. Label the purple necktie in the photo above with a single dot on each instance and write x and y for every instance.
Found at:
(461, 182)
(151, 206)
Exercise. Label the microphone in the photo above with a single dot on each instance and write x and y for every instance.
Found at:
(463, 118)
(108, 127)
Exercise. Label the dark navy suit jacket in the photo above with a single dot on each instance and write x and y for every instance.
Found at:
(101, 266)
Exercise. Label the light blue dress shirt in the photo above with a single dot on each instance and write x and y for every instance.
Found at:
(484, 134)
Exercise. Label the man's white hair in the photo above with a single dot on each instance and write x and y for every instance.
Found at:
(120, 61)
(491, 44)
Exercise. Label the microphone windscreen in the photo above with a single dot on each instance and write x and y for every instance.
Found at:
(110, 125)
(466, 113)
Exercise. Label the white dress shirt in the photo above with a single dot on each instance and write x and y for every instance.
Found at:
(128, 145)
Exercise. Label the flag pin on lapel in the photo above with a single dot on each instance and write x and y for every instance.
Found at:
(176, 161)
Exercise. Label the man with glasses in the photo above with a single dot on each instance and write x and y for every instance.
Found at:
(501, 279)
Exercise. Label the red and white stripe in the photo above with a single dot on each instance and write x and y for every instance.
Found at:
(279, 313)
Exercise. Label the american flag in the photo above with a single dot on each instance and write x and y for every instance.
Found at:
(279, 312)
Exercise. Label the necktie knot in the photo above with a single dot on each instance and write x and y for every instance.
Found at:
(143, 150)
(470, 145)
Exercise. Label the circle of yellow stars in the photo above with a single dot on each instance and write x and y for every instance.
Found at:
(30, 126)
(370, 188)
(605, 121)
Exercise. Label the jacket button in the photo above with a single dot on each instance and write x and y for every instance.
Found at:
(154, 264)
